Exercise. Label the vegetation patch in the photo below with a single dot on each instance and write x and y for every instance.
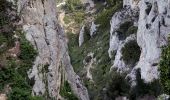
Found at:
(126, 29)
(66, 92)
(14, 74)
(73, 5)
(103, 18)
(99, 44)
(13, 78)
(28, 53)
(117, 86)
(142, 89)
(131, 52)
(165, 69)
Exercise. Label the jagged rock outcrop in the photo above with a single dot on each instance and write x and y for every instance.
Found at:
(118, 62)
(88, 62)
(126, 14)
(52, 65)
(93, 29)
(81, 36)
(153, 30)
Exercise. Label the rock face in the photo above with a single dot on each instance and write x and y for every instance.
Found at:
(81, 36)
(153, 30)
(93, 29)
(118, 62)
(126, 14)
(152, 34)
(52, 65)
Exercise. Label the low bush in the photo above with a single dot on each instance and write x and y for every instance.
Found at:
(126, 29)
(28, 52)
(66, 92)
(165, 69)
(72, 5)
(79, 16)
(15, 75)
(142, 89)
(131, 52)
(104, 17)
(117, 86)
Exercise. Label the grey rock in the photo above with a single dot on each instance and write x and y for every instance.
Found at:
(39, 20)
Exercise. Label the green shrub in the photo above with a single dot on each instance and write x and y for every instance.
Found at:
(99, 44)
(111, 3)
(131, 52)
(72, 5)
(79, 16)
(4, 18)
(117, 86)
(126, 29)
(2, 39)
(131, 30)
(14, 71)
(66, 92)
(142, 89)
(75, 53)
(67, 19)
(15, 75)
(19, 94)
(27, 50)
(165, 69)
(104, 17)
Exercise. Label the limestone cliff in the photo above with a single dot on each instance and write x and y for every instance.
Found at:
(52, 65)
(152, 34)
(83, 49)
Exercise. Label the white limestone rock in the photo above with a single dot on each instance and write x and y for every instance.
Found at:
(47, 36)
(152, 35)
(118, 63)
(81, 36)
(93, 29)
(153, 31)
(126, 14)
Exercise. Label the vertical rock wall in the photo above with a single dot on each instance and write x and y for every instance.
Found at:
(153, 30)
(39, 21)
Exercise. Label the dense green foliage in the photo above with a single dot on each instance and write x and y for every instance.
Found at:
(74, 11)
(105, 85)
(72, 5)
(131, 52)
(13, 78)
(126, 29)
(14, 74)
(27, 51)
(113, 2)
(99, 44)
(117, 86)
(165, 69)
(4, 19)
(103, 18)
(66, 92)
(142, 89)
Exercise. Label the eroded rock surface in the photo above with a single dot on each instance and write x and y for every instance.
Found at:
(152, 34)
(39, 20)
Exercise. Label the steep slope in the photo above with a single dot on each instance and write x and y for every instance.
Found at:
(138, 30)
(152, 34)
(52, 65)
(84, 49)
